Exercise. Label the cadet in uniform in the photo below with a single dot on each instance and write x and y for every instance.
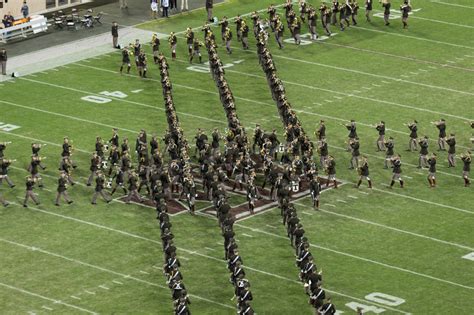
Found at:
(451, 141)
(352, 128)
(354, 144)
(364, 172)
(432, 170)
(397, 171)
(227, 38)
(386, 13)
(381, 139)
(245, 34)
(423, 152)
(315, 190)
(238, 27)
(173, 41)
(355, 10)
(466, 159)
(155, 46)
(331, 171)
(405, 8)
(99, 189)
(441, 125)
(62, 189)
(325, 12)
(312, 17)
(189, 41)
(413, 143)
(3, 146)
(368, 9)
(389, 146)
(142, 64)
(2, 200)
(30, 184)
(4, 164)
(125, 60)
(328, 308)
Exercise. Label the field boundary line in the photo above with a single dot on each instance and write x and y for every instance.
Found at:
(388, 227)
(37, 249)
(46, 298)
(452, 4)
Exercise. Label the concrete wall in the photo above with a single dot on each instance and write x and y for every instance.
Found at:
(38, 6)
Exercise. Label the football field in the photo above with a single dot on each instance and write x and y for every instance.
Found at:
(391, 251)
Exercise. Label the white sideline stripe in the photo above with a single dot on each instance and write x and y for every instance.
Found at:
(353, 197)
(157, 242)
(307, 213)
(31, 313)
(117, 282)
(452, 4)
(367, 260)
(391, 228)
(46, 298)
(413, 37)
(66, 116)
(121, 100)
(435, 21)
(104, 270)
(144, 272)
(104, 287)
(47, 308)
(208, 248)
(425, 201)
(39, 140)
(75, 297)
(247, 235)
(88, 292)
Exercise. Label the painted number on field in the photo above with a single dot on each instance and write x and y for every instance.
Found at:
(376, 297)
(103, 100)
(204, 68)
(469, 256)
(8, 127)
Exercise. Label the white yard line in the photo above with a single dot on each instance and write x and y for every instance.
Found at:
(89, 292)
(307, 213)
(47, 308)
(117, 282)
(45, 298)
(391, 228)
(104, 270)
(247, 235)
(75, 297)
(452, 4)
(104, 287)
(367, 260)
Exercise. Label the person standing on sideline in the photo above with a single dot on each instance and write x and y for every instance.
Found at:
(114, 34)
(165, 5)
(209, 5)
(25, 10)
(154, 9)
(3, 61)
(184, 5)
(174, 5)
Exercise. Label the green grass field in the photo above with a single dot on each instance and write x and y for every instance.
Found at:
(407, 244)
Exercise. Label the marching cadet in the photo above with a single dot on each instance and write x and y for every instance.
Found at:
(66, 166)
(389, 145)
(62, 189)
(423, 152)
(190, 41)
(30, 184)
(99, 147)
(238, 27)
(2, 200)
(4, 164)
(190, 191)
(344, 13)
(352, 128)
(405, 8)
(381, 139)
(252, 195)
(115, 137)
(224, 25)
(466, 159)
(397, 170)
(354, 144)
(321, 132)
(451, 141)
(227, 39)
(3, 146)
(99, 188)
(355, 10)
(143, 174)
(182, 307)
(315, 190)
(441, 125)
(271, 12)
(142, 62)
(67, 150)
(413, 143)
(124, 147)
(368, 9)
(323, 152)
(114, 158)
(33, 169)
(125, 60)
(257, 138)
(312, 17)
(216, 137)
(316, 298)
(334, 11)
(279, 29)
(35, 149)
(119, 177)
(432, 170)
(196, 50)
(328, 308)
(155, 47)
(331, 171)
(173, 41)
(137, 47)
(245, 35)
(386, 13)
(364, 172)
(296, 29)
(133, 180)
